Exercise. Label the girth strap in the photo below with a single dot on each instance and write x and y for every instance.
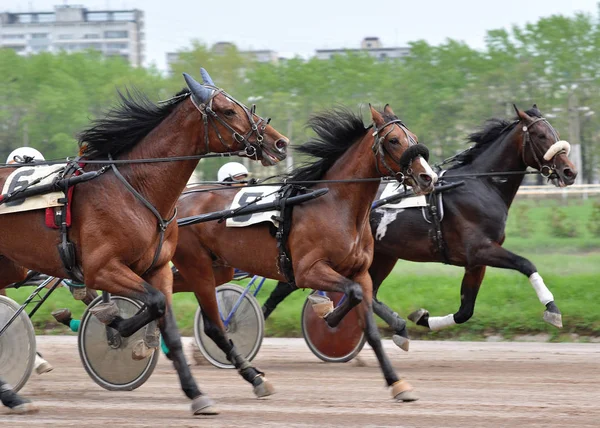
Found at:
(162, 223)
(284, 261)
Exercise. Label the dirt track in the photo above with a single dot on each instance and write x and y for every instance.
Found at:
(462, 384)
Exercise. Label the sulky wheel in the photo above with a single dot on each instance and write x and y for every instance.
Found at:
(244, 323)
(332, 345)
(17, 345)
(106, 356)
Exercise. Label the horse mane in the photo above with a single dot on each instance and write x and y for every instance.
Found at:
(337, 130)
(126, 124)
(492, 131)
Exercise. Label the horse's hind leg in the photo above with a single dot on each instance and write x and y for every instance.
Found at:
(278, 295)
(214, 328)
(13, 401)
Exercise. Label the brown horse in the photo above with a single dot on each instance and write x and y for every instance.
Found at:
(474, 219)
(330, 241)
(119, 248)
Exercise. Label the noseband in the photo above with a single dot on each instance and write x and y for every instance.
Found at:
(380, 149)
(209, 116)
(547, 171)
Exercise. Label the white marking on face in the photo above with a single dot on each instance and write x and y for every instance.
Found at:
(388, 217)
(428, 169)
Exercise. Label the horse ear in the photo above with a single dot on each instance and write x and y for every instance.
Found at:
(200, 92)
(376, 116)
(521, 114)
(206, 77)
(388, 110)
(535, 107)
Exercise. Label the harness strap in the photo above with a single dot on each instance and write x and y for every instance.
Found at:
(284, 261)
(162, 223)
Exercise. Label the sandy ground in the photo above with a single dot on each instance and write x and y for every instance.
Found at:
(461, 384)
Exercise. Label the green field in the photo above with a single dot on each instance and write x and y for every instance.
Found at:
(507, 304)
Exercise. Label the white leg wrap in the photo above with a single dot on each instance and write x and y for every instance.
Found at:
(438, 323)
(540, 288)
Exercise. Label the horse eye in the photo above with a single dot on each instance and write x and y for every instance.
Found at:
(542, 136)
(229, 112)
(394, 140)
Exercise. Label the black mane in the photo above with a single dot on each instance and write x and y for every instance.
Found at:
(492, 131)
(337, 130)
(125, 124)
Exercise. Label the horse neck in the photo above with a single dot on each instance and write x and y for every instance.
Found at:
(180, 134)
(357, 162)
(501, 156)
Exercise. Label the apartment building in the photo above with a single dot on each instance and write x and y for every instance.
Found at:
(74, 28)
(370, 45)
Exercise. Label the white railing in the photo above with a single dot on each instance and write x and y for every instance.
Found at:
(583, 190)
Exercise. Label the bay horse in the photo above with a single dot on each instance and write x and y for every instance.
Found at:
(473, 227)
(119, 248)
(330, 241)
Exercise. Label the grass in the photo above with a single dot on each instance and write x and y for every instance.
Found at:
(507, 305)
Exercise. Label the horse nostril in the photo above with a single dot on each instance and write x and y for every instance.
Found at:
(426, 178)
(568, 172)
(281, 144)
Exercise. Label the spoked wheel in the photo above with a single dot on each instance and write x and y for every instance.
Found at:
(17, 345)
(332, 345)
(106, 356)
(246, 326)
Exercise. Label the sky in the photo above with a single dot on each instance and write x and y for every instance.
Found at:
(299, 27)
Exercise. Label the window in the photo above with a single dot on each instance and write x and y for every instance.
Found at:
(13, 36)
(39, 35)
(91, 36)
(116, 34)
(116, 45)
(65, 36)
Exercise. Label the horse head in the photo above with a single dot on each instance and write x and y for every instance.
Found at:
(228, 117)
(399, 153)
(542, 148)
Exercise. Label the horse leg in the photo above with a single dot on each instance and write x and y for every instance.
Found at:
(380, 269)
(214, 328)
(401, 389)
(468, 295)
(162, 278)
(116, 278)
(281, 291)
(14, 401)
(496, 256)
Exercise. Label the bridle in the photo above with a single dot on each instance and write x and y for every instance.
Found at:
(548, 171)
(209, 116)
(380, 150)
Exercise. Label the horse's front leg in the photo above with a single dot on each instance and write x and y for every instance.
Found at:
(320, 276)
(468, 295)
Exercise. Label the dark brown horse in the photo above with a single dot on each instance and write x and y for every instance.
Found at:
(115, 216)
(330, 240)
(474, 218)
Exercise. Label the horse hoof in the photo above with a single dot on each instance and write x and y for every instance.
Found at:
(141, 351)
(202, 405)
(417, 315)
(322, 305)
(44, 367)
(403, 391)
(401, 342)
(105, 312)
(553, 319)
(25, 408)
(264, 389)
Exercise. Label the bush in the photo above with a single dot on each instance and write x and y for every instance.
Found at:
(594, 223)
(561, 226)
